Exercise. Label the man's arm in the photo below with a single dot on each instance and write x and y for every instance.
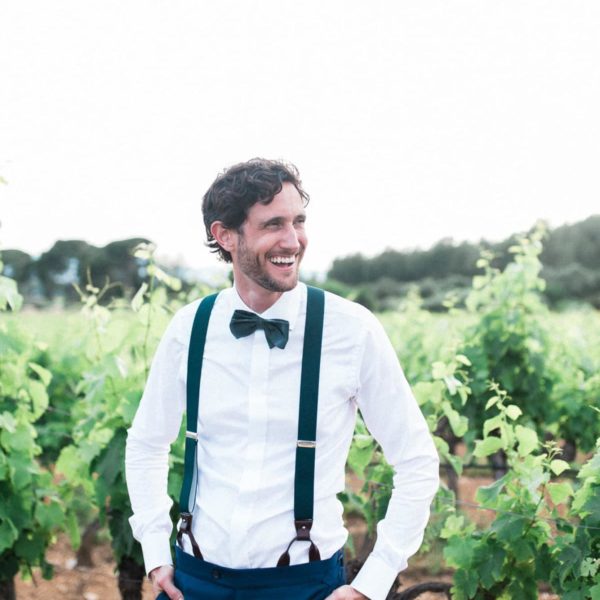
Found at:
(155, 427)
(393, 416)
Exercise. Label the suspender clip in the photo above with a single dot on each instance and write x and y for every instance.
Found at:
(186, 522)
(185, 528)
(306, 444)
(303, 527)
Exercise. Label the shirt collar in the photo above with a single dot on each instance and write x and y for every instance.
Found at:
(287, 306)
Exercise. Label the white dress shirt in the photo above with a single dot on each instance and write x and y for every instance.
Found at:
(247, 427)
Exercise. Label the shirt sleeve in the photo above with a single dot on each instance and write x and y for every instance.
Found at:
(154, 428)
(394, 418)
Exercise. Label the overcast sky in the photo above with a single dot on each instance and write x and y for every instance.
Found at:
(409, 121)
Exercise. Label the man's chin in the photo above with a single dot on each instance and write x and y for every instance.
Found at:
(281, 284)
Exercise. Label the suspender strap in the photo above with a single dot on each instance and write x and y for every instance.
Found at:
(304, 482)
(187, 499)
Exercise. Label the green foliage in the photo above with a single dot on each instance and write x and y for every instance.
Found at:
(519, 550)
(116, 365)
(30, 510)
(68, 401)
(509, 342)
(366, 460)
(577, 549)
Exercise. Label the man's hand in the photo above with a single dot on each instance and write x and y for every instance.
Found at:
(346, 592)
(162, 581)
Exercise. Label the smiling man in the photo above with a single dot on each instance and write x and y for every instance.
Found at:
(271, 373)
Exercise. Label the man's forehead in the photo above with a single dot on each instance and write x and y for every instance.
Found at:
(287, 204)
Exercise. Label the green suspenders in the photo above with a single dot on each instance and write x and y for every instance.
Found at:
(187, 499)
(304, 480)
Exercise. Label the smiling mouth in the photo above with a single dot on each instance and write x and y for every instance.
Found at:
(282, 261)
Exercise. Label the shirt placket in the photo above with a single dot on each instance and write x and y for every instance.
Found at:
(254, 456)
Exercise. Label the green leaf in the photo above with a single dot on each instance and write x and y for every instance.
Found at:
(458, 423)
(558, 466)
(49, 515)
(42, 373)
(491, 402)
(490, 570)
(8, 534)
(487, 446)
(488, 494)
(528, 440)
(595, 592)
(360, 456)
(461, 358)
(513, 411)
(362, 440)
(453, 526)
(7, 422)
(428, 392)
(438, 370)
(30, 547)
(467, 581)
(9, 296)
(492, 424)
(459, 552)
(509, 527)
(589, 567)
(39, 397)
(71, 465)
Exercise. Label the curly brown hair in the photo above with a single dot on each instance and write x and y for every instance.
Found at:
(238, 188)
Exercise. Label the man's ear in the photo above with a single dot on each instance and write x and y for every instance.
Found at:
(225, 237)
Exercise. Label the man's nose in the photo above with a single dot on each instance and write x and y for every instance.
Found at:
(290, 239)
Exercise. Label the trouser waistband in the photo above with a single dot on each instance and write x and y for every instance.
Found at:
(268, 576)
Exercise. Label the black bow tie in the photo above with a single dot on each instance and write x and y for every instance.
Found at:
(244, 323)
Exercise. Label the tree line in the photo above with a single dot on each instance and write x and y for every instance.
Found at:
(570, 259)
(69, 263)
(571, 269)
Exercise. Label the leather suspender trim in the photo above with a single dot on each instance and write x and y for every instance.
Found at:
(187, 499)
(304, 482)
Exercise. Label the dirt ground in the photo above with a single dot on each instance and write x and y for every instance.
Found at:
(72, 582)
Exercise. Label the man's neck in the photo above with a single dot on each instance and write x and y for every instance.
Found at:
(258, 300)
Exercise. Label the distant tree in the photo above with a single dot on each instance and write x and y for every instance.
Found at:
(17, 265)
(571, 260)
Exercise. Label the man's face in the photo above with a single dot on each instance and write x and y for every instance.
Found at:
(271, 243)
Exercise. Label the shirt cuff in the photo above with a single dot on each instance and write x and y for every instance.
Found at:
(156, 549)
(375, 578)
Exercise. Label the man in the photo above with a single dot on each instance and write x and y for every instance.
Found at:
(250, 478)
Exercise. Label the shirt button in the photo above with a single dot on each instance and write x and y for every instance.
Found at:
(216, 574)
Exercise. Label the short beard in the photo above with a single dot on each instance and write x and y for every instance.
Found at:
(251, 267)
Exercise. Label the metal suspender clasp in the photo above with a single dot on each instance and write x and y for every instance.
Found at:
(186, 522)
(192, 435)
(306, 444)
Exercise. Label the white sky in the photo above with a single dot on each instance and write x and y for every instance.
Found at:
(409, 121)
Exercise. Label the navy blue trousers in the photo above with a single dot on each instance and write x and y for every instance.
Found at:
(201, 580)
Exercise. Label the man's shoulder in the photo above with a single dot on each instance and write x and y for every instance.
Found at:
(338, 307)
(183, 319)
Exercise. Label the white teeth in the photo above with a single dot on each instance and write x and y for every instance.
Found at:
(285, 260)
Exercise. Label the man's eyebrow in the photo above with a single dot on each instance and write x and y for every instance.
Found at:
(271, 221)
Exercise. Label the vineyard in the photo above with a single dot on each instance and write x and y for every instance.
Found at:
(511, 392)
